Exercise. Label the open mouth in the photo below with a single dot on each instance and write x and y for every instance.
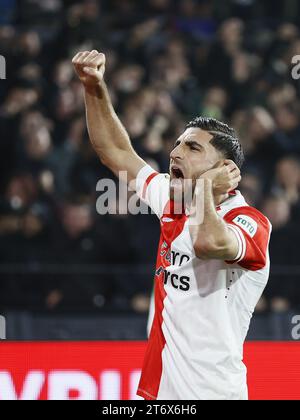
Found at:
(177, 173)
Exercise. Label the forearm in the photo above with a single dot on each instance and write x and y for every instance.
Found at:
(106, 132)
(210, 234)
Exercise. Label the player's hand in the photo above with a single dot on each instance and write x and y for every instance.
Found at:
(90, 67)
(225, 177)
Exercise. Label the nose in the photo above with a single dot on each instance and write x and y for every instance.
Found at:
(177, 153)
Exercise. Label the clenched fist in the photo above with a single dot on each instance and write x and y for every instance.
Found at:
(90, 67)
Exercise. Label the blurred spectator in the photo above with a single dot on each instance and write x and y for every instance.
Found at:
(167, 61)
(283, 290)
(288, 179)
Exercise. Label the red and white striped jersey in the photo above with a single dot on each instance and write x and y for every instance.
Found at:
(203, 308)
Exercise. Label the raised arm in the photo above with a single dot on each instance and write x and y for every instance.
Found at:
(212, 237)
(107, 134)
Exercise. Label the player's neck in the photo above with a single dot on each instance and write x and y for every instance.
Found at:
(218, 200)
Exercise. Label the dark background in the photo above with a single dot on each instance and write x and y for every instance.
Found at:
(167, 62)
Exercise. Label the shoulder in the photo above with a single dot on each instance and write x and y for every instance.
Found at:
(153, 188)
(249, 219)
(236, 210)
(253, 230)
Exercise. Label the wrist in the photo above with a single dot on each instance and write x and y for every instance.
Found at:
(207, 181)
(96, 89)
(205, 186)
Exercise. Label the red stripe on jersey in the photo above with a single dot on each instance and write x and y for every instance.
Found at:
(147, 182)
(232, 192)
(243, 252)
(152, 367)
(243, 245)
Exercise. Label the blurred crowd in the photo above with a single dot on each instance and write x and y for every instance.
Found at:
(167, 62)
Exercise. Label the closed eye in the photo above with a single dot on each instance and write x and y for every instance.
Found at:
(193, 145)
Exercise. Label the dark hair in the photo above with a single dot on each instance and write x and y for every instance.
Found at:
(224, 138)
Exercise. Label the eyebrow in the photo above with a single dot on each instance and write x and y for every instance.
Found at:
(190, 143)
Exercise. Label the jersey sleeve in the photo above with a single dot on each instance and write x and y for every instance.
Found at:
(153, 189)
(252, 230)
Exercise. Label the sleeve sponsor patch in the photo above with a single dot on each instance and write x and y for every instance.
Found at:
(246, 223)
